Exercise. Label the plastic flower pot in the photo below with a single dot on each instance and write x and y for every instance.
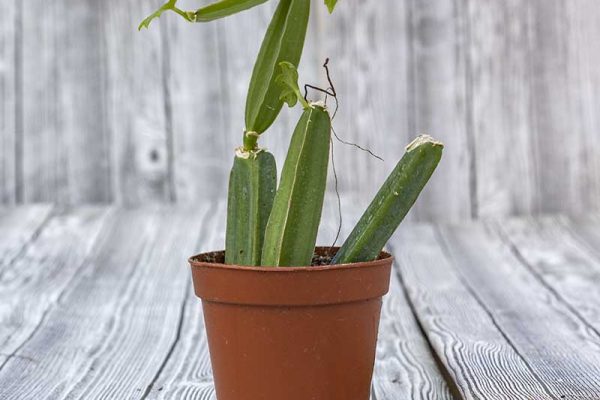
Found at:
(291, 333)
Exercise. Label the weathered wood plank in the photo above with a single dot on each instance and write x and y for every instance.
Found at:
(137, 270)
(32, 284)
(556, 345)
(440, 104)
(91, 110)
(140, 111)
(563, 256)
(588, 229)
(10, 36)
(187, 373)
(18, 227)
(405, 367)
(584, 31)
(476, 354)
(560, 83)
(498, 54)
(149, 312)
(66, 145)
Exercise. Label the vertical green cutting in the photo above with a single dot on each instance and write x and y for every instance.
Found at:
(392, 202)
(252, 185)
(291, 232)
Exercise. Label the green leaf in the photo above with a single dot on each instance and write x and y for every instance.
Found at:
(219, 9)
(170, 5)
(330, 5)
(224, 8)
(288, 82)
(283, 41)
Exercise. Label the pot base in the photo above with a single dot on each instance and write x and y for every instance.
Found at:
(293, 353)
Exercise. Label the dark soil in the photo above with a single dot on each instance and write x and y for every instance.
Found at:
(321, 257)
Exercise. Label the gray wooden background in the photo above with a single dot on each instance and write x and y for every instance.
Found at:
(93, 111)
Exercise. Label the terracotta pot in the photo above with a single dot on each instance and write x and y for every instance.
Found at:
(291, 333)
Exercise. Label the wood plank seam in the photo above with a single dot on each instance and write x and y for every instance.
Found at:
(503, 235)
(168, 110)
(444, 246)
(183, 308)
(19, 112)
(52, 306)
(411, 111)
(454, 390)
(212, 210)
(457, 327)
(164, 376)
(13, 354)
(470, 122)
(143, 251)
(137, 260)
(164, 362)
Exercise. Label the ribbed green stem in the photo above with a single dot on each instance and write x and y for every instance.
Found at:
(392, 202)
(292, 228)
(252, 185)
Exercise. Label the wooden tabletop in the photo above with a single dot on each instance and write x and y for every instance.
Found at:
(96, 303)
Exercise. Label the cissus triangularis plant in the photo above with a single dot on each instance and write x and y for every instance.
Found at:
(293, 332)
(276, 225)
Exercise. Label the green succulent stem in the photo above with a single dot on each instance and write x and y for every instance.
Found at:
(393, 201)
(250, 141)
(291, 231)
(252, 185)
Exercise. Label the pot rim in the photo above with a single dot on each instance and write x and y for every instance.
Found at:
(290, 286)
(383, 258)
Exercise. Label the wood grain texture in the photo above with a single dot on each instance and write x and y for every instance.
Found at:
(32, 284)
(139, 114)
(187, 373)
(561, 104)
(439, 93)
(97, 303)
(558, 347)
(94, 111)
(476, 354)
(498, 55)
(140, 109)
(562, 254)
(19, 226)
(10, 36)
(405, 367)
(65, 156)
(587, 54)
(117, 319)
(587, 228)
